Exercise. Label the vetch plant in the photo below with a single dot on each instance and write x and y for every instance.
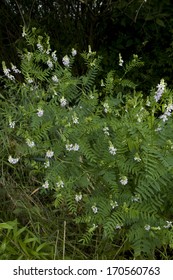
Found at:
(102, 152)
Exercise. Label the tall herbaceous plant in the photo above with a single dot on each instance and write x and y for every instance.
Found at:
(101, 150)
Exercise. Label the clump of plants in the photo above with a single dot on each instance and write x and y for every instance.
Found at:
(102, 154)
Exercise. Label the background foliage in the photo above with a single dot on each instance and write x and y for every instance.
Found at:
(110, 27)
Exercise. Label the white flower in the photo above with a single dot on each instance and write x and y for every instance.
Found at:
(49, 154)
(66, 61)
(148, 103)
(75, 119)
(54, 56)
(50, 64)
(95, 209)
(46, 164)
(30, 81)
(71, 147)
(63, 102)
(78, 197)
(123, 180)
(147, 227)
(137, 158)
(164, 117)
(14, 68)
(60, 184)
(6, 71)
(91, 96)
(55, 79)
(12, 124)
(112, 150)
(114, 204)
(74, 52)
(121, 61)
(40, 47)
(160, 90)
(30, 143)
(24, 33)
(136, 198)
(11, 77)
(118, 227)
(158, 129)
(45, 185)
(13, 160)
(48, 51)
(168, 224)
(106, 107)
(106, 130)
(167, 113)
(40, 112)
(75, 147)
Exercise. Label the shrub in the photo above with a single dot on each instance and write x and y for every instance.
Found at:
(101, 153)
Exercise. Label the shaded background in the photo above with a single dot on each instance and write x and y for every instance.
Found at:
(110, 27)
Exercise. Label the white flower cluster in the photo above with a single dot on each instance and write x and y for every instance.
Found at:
(106, 130)
(40, 112)
(24, 33)
(63, 102)
(158, 129)
(55, 79)
(46, 185)
(112, 149)
(113, 204)
(78, 197)
(14, 68)
(71, 147)
(123, 180)
(147, 227)
(121, 61)
(7, 72)
(106, 107)
(12, 124)
(160, 90)
(75, 119)
(30, 143)
(91, 96)
(40, 47)
(94, 209)
(30, 80)
(49, 154)
(13, 160)
(136, 198)
(46, 163)
(66, 61)
(74, 52)
(167, 113)
(60, 184)
(48, 51)
(50, 64)
(54, 56)
(118, 227)
(168, 224)
(137, 158)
